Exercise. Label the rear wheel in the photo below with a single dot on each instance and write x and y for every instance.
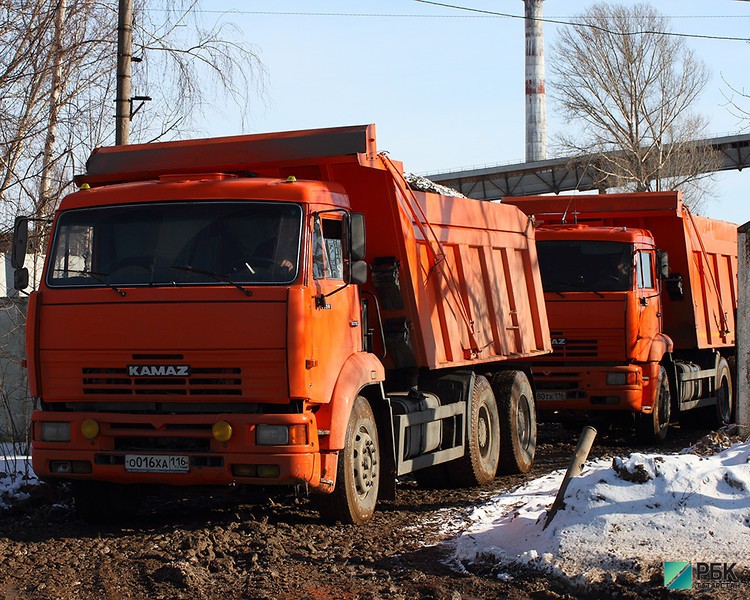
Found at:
(652, 428)
(358, 472)
(724, 394)
(517, 414)
(479, 465)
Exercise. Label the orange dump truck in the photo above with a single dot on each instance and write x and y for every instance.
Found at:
(641, 298)
(210, 316)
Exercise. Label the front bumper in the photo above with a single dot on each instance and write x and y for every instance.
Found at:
(239, 460)
(586, 388)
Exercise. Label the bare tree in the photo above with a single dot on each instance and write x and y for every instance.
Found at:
(188, 65)
(738, 103)
(631, 88)
(57, 81)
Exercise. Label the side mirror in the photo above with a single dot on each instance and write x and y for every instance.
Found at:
(663, 258)
(20, 241)
(21, 279)
(357, 236)
(358, 272)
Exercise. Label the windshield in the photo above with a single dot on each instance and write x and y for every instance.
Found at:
(585, 266)
(177, 243)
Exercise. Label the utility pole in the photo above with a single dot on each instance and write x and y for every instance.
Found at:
(124, 59)
(536, 103)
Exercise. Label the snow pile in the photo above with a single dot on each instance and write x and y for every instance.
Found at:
(16, 475)
(626, 515)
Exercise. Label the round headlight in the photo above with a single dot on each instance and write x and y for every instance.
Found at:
(89, 429)
(222, 431)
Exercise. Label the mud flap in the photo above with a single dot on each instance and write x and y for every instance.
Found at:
(384, 422)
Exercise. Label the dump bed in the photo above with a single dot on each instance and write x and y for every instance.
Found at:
(702, 251)
(464, 281)
(467, 271)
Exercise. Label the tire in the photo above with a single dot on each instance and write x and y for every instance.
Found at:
(355, 495)
(518, 418)
(653, 428)
(478, 466)
(100, 502)
(724, 394)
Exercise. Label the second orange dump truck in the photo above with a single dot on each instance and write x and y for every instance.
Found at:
(641, 298)
(211, 316)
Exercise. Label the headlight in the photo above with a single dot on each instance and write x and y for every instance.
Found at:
(271, 435)
(281, 435)
(50, 431)
(617, 378)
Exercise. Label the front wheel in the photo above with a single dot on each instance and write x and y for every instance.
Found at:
(653, 428)
(358, 472)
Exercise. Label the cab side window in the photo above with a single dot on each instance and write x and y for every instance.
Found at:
(645, 270)
(328, 258)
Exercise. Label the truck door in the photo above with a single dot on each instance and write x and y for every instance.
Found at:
(648, 307)
(335, 327)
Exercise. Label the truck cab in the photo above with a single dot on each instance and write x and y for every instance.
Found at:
(602, 293)
(186, 318)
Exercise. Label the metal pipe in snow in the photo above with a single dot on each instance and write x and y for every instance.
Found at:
(574, 470)
(536, 110)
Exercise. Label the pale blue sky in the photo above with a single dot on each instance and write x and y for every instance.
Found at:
(446, 88)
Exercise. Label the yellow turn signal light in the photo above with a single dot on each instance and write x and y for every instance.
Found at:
(89, 429)
(222, 431)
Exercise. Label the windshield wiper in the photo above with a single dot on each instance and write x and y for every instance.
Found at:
(220, 277)
(100, 278)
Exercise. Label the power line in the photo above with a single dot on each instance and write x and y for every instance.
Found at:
(488, 15)
(590, 26)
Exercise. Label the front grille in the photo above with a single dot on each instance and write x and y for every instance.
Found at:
(207, 381)
(574, 348)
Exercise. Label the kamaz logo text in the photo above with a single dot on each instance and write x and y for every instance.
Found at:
(158, 370)
(559, 341)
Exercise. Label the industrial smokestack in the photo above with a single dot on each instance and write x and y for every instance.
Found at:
(536, 110)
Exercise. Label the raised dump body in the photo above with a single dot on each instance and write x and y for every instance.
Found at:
(670, 305)
(211, 315)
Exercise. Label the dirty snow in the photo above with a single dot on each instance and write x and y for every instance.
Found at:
(624, 515)
(15, 475)
(628, 514)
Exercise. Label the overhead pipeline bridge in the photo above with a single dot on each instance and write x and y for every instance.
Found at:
(563, 174)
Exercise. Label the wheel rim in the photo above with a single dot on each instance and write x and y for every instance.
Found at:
(365, 461)
(523, 422)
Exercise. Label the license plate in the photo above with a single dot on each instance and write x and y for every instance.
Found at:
(542, 396)
(150, 463)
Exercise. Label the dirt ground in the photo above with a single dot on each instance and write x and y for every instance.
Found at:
(268, 547)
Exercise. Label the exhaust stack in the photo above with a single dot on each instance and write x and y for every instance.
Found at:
(536, 111)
